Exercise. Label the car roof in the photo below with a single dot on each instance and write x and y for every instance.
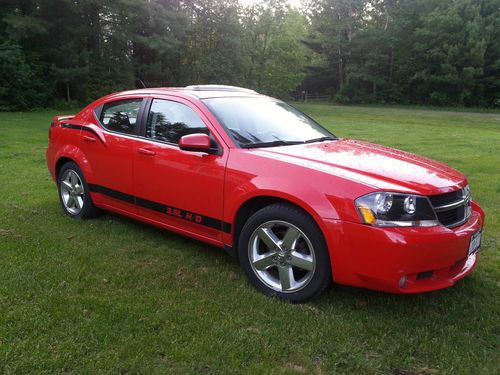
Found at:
(197, 91)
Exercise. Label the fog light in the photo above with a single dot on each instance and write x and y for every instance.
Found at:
(402, 282)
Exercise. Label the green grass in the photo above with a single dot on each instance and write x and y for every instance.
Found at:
(112, 295)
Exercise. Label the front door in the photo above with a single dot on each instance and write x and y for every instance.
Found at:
(181, 189)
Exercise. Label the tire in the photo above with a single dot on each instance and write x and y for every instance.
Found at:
(283, 253)
(74, 193)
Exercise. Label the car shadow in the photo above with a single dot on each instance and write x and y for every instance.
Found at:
(196, 247)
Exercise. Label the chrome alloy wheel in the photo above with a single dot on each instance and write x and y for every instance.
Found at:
(72, 192)
(281, 256)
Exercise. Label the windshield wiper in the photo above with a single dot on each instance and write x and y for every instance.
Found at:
(321, 139)
(272, 144)
(287, 143)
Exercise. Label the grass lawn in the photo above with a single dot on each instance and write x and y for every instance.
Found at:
(112, 295)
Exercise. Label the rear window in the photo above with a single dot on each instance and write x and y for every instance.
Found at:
(121, 116)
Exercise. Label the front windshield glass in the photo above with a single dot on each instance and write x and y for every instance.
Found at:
(261, 122)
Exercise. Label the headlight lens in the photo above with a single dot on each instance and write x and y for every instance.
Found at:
(386, 209)
(467, 195)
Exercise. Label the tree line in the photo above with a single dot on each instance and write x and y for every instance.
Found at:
(439, 52)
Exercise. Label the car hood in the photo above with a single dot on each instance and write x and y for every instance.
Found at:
(378, 166)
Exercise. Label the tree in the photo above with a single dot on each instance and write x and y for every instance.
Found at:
(443, 52)
(275, 55)
(418, 51)
(335, 24)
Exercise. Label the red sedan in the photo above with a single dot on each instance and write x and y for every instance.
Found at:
(298, 206)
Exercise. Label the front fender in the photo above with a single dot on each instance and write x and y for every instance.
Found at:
(303, 195)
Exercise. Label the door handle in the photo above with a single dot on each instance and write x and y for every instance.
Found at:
(86, 138)
(146, 151)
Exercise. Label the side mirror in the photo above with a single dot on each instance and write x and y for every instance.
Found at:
(198, 142)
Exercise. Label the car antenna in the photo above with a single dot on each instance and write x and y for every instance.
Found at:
(142, 83)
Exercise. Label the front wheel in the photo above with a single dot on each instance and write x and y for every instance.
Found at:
(283, 253)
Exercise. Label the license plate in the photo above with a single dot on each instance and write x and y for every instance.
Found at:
(475, 243)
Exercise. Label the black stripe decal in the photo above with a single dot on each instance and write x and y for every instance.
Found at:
(112, 193)
(226, 227)
(150, 205)
(71, 126)
(81, 127)
(162, 208)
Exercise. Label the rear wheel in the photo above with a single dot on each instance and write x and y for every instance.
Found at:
(74, 193)
(283, 253)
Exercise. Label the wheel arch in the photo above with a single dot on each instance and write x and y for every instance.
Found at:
(60, 162)
(255, 203)
(75, 155)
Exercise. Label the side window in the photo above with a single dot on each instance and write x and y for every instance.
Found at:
(168, 121)
(121, 116)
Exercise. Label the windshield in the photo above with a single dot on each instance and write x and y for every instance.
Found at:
(261, 122)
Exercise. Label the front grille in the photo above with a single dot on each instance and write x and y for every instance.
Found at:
(446, 198)
(451, 209)
(452, 217)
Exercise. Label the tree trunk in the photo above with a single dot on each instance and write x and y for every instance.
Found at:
(95, 25)
(68, 97)
(391, 63)
(341, 70)
(349, 41)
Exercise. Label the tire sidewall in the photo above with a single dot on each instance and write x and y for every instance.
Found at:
(322, 274)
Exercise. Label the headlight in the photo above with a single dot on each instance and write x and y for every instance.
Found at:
(467, 196)
(385, 209)
(467, 193)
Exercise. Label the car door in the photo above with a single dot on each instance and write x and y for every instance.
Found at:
(181, 189)
(109, 149)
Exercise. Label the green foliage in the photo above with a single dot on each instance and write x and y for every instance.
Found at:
(341, 99)
(412, 51)
(21, 84)
(83, 50)
(276, 58)
(440, 52)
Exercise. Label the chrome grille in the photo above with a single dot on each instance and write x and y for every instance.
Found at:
(452, 209)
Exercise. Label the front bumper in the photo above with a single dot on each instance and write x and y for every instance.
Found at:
(425, 259)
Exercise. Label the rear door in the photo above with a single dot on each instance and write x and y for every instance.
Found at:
(109, 148)
(181, 189)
